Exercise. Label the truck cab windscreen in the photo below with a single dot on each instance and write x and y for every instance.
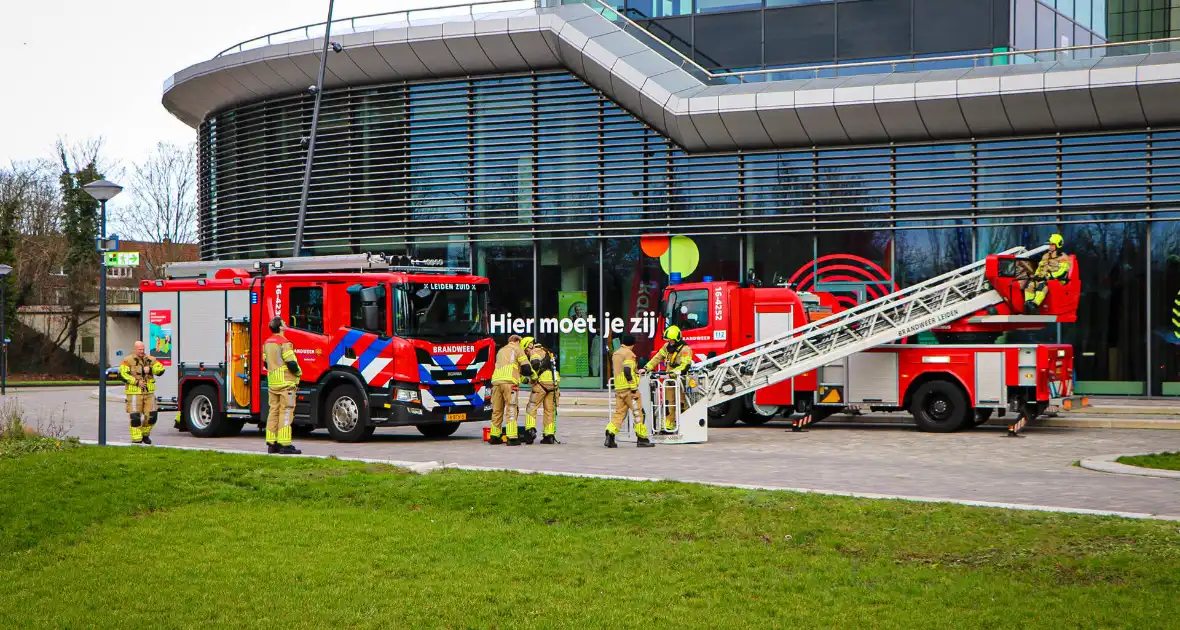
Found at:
(687, 310)
(440, 310)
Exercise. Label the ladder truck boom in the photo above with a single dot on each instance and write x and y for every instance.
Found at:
(934, 303)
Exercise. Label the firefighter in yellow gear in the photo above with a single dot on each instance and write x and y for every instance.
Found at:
(545, 395)
(511, 363)
(282, 379)
(1054, 265)
(626, 374)
(139, 372)
(677, 358)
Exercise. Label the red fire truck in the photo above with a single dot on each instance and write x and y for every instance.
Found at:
(957, 383)
(379, 344)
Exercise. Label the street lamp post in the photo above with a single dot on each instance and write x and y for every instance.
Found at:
(103, 191)
(4, 271)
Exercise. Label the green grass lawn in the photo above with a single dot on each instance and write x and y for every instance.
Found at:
(1167, 461)
(157, 538)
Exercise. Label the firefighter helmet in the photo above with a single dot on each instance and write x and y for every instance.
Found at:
(1057, 241)
(672, 333)
(526, 342)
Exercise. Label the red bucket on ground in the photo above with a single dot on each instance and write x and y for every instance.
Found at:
(487, 432)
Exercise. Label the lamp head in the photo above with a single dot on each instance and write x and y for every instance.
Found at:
(103, 190)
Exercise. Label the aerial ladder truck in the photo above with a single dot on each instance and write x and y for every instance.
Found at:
(851, 358)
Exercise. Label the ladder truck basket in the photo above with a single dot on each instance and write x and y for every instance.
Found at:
(663, 398)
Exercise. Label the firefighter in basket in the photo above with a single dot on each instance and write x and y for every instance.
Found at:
(545, 394)
(139, 372)
(626, 395)
(1054, 265)
(677, 359)
(511, 363)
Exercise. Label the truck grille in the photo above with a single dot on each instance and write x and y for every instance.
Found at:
(451, 390)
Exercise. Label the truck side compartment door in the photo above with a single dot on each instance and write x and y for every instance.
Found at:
(771, 320)
(161, 334)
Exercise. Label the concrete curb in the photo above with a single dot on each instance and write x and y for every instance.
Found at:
(427, 467)
(1107, 464)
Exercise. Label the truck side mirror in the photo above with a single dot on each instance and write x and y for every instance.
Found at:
(372, 315)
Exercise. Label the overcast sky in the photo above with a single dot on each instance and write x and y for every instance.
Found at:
(79, 69)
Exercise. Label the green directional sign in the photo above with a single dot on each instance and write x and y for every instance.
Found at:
(122, 259)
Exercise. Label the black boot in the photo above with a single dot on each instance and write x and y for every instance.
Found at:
(289, 450)
(610, 441)
(643, 443)
(530, 436)
(147, 440)
(495, 440)
(513, 441)
(272, 448)
(549, 439)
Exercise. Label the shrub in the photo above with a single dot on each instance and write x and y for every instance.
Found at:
(17, 438)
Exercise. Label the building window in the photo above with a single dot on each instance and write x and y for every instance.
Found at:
(306, 309)
(119, 272)
(567, 307)
(87, 344)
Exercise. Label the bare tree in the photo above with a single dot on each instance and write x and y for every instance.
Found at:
(164, 205)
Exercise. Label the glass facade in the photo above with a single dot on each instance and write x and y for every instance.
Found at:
(574, 209)
(1135, 20)
(783, 33)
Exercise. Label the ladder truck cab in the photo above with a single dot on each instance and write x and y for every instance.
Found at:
(763, 352)
(379, 344)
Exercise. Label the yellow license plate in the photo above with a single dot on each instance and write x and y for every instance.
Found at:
(456, 417)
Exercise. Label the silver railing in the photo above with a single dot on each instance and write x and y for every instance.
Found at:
(374, 21)
(1012, 57)
(417, 17)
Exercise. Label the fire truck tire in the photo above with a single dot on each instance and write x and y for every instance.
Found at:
(941, 407)
(436, 431)
(756, 415)
(725, 415)
(982, 416)
(201, 413)
(345, 414)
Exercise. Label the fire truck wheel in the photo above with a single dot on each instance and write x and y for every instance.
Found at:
(982, 416)
(754, 414)
(436, 431)
(346, 415)
(201, 413)
(725, 415)
(941, 407)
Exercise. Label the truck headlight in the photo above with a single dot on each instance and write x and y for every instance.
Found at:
(407, 395)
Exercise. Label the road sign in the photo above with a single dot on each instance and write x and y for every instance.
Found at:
(122, 259)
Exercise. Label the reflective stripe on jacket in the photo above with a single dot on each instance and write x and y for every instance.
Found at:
(543, 371)
(139, 374)
(1053, 266)
(677, 361)
(508, 362)
(278, 351)
(624, 358)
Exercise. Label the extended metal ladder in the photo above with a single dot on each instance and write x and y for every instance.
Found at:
(940, 300)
